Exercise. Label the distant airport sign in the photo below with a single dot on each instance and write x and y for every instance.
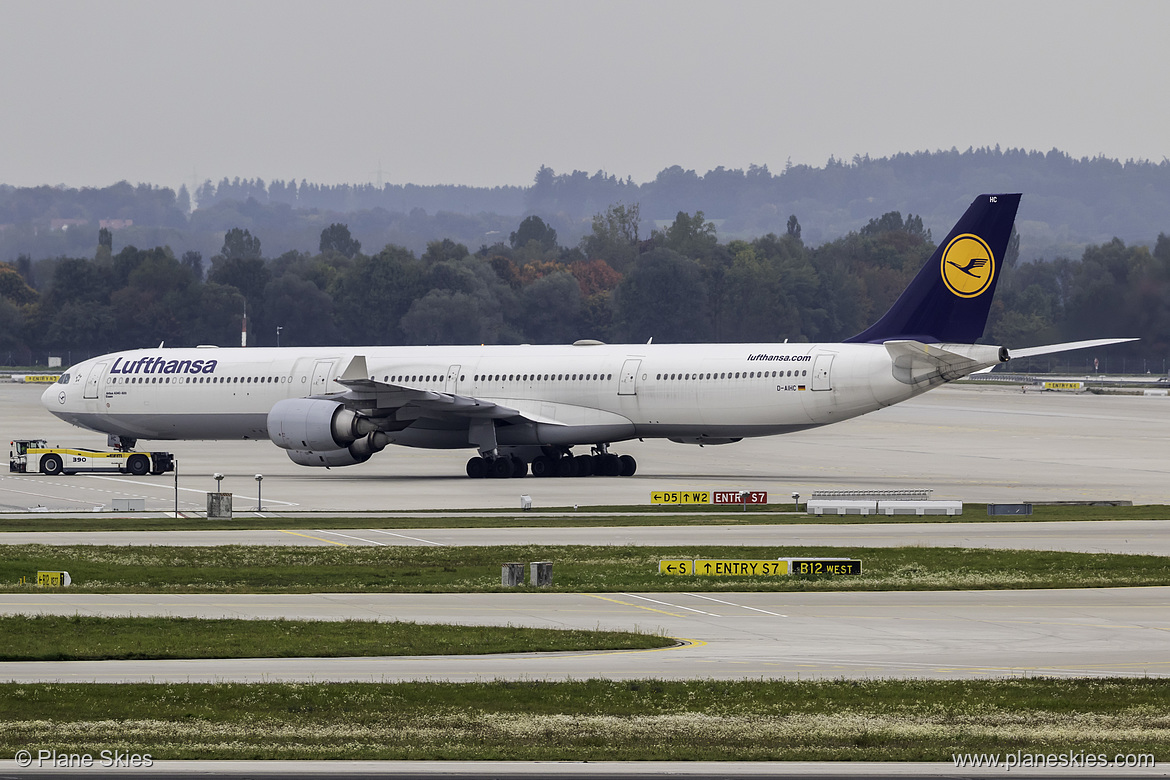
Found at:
(1064, 385)
(732, 567)
(54, 579)
(680, 497)
(824, 566)
(688, 497)
(723, 567)
(684, 566)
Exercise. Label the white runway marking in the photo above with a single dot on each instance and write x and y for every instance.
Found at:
(404, 536)
(733, 604)
(347, 536)
(668, 604)
(171, 488)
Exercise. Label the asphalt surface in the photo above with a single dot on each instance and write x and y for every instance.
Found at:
(949, 634)
(976, 444)
(967, 443)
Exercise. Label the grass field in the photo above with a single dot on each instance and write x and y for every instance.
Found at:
(576, 568)
(594, 720)
(598, 516)
(80, 638)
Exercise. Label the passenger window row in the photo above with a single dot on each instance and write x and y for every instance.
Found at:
(400, 378)
(543, 377)
(190, 380)
(733, 375)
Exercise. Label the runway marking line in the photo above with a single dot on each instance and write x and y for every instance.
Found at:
(733, 604)
(318, 538)
(668, 604)
(170, 488)
(347, 536)
(404, 536)
(635, 606)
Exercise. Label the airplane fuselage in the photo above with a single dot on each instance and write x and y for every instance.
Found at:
(576, 394)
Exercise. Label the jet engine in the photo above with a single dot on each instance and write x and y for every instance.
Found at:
(323, 433)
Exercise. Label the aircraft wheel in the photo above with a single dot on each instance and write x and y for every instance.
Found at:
(584, 464)
(543, 466)
(519, 467)
(501, 468)
(138, 465)
(51, 465)
(477, 468)
(629, 465)
(565, 466)
(611, 465)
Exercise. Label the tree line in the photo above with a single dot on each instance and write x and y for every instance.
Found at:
(678, 283)
(1070, 203)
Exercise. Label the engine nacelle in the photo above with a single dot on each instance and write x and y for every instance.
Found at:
(327, 458)
(315, 425)
(358, 452)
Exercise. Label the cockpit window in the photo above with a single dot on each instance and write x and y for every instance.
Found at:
(64, 380)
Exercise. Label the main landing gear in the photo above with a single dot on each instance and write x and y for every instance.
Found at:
(562, 463)
(501, 467)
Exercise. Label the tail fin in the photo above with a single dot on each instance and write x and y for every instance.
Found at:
(948, 301)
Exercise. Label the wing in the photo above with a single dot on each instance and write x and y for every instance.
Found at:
(396, 407)
(412, 402)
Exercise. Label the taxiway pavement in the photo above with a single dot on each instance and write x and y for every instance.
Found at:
(955, 634)
(974, 443)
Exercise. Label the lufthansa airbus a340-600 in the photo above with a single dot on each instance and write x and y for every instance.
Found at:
(529, 405)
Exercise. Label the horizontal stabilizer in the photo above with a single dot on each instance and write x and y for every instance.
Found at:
(917, 363)
(1068, 346)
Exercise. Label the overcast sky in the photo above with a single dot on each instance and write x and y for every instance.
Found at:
(483, 93)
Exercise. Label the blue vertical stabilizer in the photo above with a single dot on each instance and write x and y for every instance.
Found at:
(949, 299)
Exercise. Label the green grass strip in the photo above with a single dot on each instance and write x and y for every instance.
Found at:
(576, 568)
(886, 720)
(584, 517)
(79, 638)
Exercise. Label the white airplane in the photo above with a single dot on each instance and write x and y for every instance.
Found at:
(530, 405)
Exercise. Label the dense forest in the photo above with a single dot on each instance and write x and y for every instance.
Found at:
(677, 283)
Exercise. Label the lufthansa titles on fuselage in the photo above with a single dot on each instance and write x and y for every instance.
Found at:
(159, 365)
(782, 358)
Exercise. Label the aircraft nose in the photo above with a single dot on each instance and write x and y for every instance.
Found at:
(54, 397)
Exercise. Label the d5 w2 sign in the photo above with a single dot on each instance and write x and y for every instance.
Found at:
(709, 497)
